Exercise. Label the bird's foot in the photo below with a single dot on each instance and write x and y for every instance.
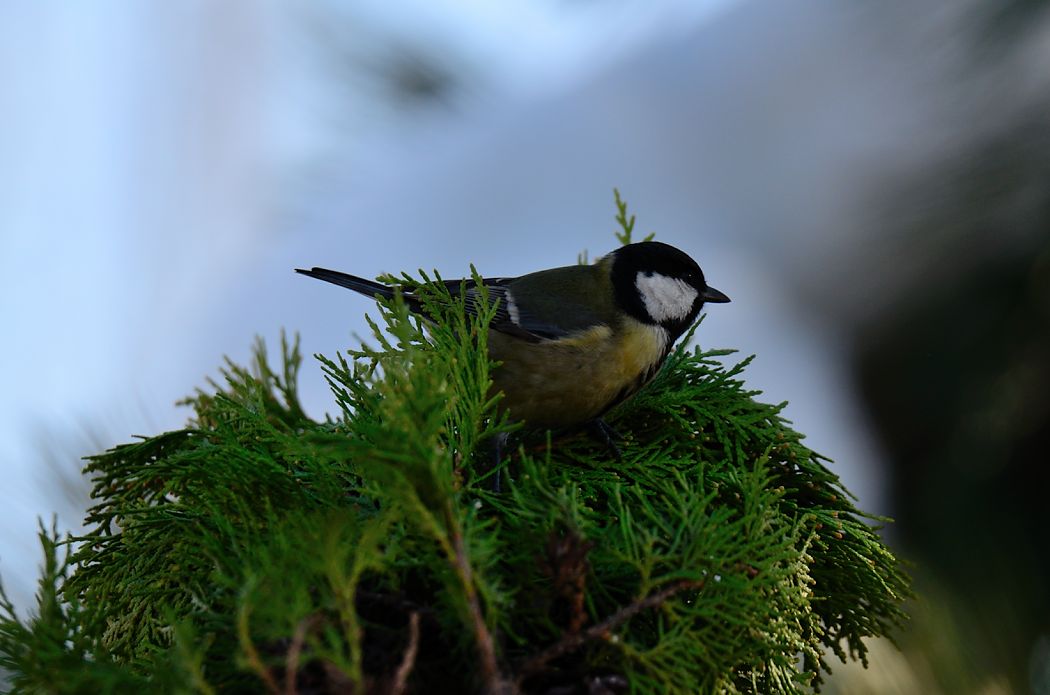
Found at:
(499, 443)
(602, 431)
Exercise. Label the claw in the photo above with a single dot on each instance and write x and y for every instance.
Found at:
(498, 443)
(601, 430)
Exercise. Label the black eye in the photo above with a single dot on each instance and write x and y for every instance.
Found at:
(648, 273)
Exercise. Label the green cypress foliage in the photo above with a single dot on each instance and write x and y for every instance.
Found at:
(258, 550)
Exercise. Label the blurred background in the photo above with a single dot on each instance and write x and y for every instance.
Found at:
(869, 182)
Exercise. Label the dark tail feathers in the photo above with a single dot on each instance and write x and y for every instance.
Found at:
(369, 288)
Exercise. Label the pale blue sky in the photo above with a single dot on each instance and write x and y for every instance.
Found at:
(153, 153)
(166, 166)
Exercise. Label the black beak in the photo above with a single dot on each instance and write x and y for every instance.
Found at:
(714, 296)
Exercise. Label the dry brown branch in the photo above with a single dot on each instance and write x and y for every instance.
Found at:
(486, 650)
(291, 662)
(254, 660)
(409, 659)
(573, 641)
(566, 564)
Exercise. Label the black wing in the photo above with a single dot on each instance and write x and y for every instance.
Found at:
(511, 317)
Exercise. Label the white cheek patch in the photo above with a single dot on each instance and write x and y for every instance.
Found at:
(666, 299)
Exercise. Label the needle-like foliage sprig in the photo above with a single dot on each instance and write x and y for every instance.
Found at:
(258, 550)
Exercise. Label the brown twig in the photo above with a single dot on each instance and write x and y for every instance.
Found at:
(573, 641)
(254, 660)
(486, 650)
(291, 661)
(566, 564)
(409, 659)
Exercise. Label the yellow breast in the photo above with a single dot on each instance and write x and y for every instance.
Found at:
(565, 382)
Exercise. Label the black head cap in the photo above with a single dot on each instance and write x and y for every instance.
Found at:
(658, 284)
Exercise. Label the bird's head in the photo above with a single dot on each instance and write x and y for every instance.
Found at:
(658, 284)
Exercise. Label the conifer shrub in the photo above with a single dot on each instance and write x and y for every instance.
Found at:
(259, 550)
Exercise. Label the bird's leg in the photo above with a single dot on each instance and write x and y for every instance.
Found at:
(499, 443)
(606, 434)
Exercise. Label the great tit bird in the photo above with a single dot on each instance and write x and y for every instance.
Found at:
(574, 342)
